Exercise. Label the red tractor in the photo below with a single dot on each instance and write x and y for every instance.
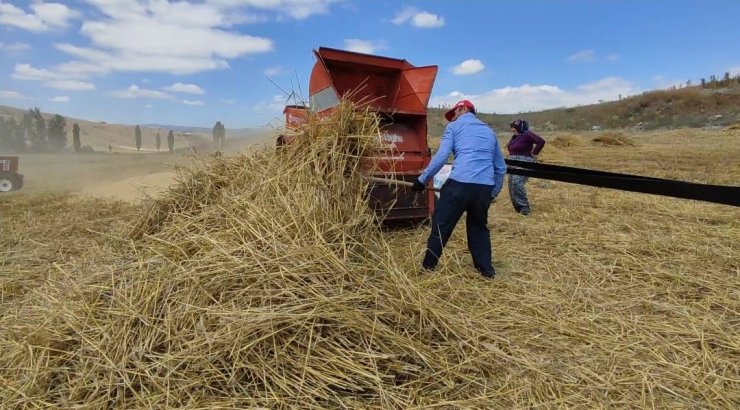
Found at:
(10, 179)
(399, 92)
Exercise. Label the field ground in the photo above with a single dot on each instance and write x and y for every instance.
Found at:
(603, 298)
(119, 175)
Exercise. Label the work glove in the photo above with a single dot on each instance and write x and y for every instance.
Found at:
(418, 186)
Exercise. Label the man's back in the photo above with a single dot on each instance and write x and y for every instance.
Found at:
(474, 147)
(476, 150)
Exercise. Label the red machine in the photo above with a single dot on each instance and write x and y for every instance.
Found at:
(10, 179)
(396, 90)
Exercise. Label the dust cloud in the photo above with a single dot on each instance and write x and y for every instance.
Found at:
(119, 175)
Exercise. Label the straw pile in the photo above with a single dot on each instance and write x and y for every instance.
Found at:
(614, 138)
(263, 281)
(565, 141)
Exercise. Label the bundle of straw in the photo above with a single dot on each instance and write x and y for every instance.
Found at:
(259, 280)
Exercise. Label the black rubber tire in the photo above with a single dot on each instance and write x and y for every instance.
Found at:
(8, 182)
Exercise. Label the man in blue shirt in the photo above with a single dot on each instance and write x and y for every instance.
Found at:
(475, 180)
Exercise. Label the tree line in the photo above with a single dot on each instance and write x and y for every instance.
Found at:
(33, 133)
(714, 82)
(157, 139)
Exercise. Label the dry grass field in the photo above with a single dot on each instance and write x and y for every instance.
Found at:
(256, 281)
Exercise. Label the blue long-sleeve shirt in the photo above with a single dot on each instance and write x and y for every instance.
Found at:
(478, 158)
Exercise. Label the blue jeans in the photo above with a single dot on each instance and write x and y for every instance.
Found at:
(454, 199)
(516, 187)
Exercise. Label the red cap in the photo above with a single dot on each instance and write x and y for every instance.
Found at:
(462, 103)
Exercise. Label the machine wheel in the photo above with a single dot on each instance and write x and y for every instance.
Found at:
(8, 183)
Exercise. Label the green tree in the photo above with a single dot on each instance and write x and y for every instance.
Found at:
(57, 133)
(137, 132)
(15, 135)
(219, 135)
(76, 137)
(171, 141)
(4, 135)
(34, 126)
(158, 140)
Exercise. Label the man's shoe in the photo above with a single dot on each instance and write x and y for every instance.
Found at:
(488, 275)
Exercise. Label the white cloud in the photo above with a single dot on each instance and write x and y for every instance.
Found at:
(101, 62)
(428, 20)
(273, 71)
(540, 97)
(612, 57)
(71, 85)
(404, 15)
(195, 102)
(44, 16)
(133, 91)
(54, 79)
(60, 99)
(468, 67)
(363, 46)
(228, 101)
(54, 14)
(14, 47)
(13, 95)
(734, 70)
(296, 9)
(170, 37)
(13, 16)
(421, 19)
(27, 72)
(277, 103)
(185, 88)
(160, 36)
(582, 56)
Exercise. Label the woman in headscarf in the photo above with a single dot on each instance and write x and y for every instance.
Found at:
(524, 145)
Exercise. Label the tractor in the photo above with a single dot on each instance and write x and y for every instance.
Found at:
(10, 179)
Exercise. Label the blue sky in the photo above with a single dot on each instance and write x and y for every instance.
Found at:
(194, 62)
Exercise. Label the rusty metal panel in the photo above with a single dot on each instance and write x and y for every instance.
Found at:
(9, 164)
(395, 202)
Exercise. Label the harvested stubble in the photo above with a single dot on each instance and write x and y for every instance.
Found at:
(260, 282)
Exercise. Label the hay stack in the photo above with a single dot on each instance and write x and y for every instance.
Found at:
(261, 280)
(614, 139)
(566, 141)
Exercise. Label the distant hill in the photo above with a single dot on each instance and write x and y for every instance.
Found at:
(690, 107)
(230, 132)
(120, 137)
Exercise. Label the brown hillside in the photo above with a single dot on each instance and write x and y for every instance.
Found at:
(692, 107)
(120, 137)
